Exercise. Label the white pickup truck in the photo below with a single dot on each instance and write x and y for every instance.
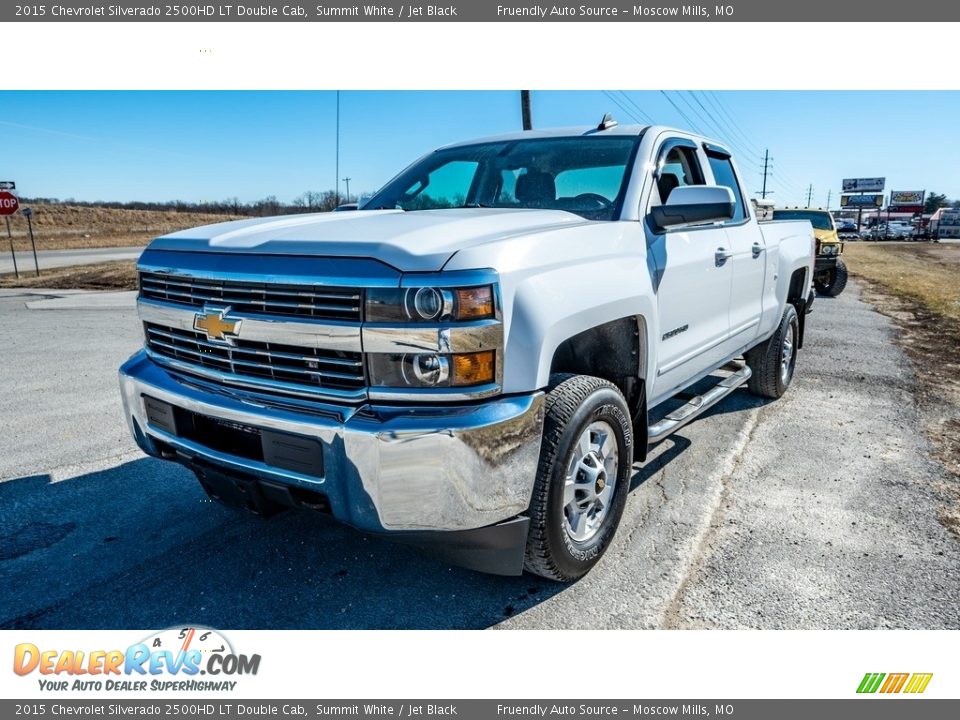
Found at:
(471, 360)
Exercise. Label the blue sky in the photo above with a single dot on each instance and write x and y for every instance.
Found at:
(206, 146)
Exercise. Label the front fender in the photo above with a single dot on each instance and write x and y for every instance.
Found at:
(550, 307)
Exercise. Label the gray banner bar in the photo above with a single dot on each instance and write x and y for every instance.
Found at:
(868, 708)
(485, 10)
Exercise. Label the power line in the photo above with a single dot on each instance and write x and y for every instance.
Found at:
(676, 107)
(733, 122)
(725, 129)
(722, 130)
(638, 108)
(707, 120)
(622, 107)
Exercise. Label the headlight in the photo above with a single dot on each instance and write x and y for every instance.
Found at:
(432, 370)
(430, 304)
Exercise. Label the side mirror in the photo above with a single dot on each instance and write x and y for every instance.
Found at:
(692, 204)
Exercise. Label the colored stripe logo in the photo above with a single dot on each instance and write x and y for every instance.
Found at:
(913, 683)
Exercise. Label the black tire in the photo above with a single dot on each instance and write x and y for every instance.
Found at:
(765, 360)
(836, 283)
(573, 404)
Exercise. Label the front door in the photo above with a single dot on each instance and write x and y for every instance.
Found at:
(692, 281)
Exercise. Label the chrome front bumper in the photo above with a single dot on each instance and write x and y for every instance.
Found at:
(443, 468)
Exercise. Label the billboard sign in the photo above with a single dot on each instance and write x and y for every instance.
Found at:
(861, 201)
(906, 197)
(864, 184)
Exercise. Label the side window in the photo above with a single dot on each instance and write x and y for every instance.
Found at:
(679, 166)
(724, 176)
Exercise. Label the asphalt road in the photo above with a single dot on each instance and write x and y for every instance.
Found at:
(49, 259)
(815, 511)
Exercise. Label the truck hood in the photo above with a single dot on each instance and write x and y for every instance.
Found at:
(421, 241)
(826, 236)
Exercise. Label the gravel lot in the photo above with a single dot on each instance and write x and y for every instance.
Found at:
(816, 511)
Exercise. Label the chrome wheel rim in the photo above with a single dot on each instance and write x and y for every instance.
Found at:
(786, 355)
(590, 481)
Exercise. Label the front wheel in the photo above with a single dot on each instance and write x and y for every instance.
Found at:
(773, 361)
(835, 281)
(583, 477)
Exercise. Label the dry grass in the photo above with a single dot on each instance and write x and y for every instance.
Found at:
(926, 274)
(67, 227)
(918, 286)
(120, 275)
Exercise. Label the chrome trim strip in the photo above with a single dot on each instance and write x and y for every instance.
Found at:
(427, 395)
(475, 337)
(235, 462)
(249, 381)
(280, 330)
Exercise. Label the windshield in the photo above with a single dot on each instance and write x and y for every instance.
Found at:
(819, 220)
(583, 175)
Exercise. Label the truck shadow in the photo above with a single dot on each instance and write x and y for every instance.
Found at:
(139, 545)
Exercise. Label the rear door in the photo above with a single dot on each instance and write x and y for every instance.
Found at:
(747, 254)
(691, 279)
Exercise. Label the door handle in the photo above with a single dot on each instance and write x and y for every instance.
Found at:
(722, 255)
(757, 249)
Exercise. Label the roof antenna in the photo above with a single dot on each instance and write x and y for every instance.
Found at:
(607, 122)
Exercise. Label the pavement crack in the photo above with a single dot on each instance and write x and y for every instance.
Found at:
(671, 614)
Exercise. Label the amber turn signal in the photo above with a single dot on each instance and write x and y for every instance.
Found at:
(475, 303)
(474, 368)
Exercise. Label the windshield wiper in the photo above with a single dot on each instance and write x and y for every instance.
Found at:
(475, 205)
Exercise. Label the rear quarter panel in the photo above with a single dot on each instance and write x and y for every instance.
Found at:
(790, 247)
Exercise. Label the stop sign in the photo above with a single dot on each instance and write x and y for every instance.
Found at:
(8, 203)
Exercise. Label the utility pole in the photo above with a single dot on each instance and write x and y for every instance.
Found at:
(347, 181)
(525, 110)
(336, 171)
(809, 195)
(13, 253)
(766, 171)
(829, 198)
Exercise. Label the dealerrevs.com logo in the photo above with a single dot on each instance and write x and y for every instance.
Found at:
(892, 683)
(172, 659)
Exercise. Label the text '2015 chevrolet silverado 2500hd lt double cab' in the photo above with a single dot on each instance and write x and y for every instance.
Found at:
(469, 360)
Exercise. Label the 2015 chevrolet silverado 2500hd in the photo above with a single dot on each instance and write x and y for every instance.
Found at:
(469, 360)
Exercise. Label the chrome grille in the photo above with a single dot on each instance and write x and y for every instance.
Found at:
(311, 301)
(280, 365)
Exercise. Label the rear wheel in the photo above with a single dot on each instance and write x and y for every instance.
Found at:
(773, 362)
(583, 477)
(835, 281)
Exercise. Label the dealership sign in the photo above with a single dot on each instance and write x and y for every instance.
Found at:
(907, 197)
(861, 201)
(863, 184)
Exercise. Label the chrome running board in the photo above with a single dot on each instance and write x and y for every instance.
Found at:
(698, 405)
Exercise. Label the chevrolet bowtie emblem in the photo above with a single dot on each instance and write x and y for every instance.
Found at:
(216, 325)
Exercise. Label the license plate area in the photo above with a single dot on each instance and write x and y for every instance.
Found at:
(287, 451)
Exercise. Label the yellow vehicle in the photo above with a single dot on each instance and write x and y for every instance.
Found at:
(829, 272)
